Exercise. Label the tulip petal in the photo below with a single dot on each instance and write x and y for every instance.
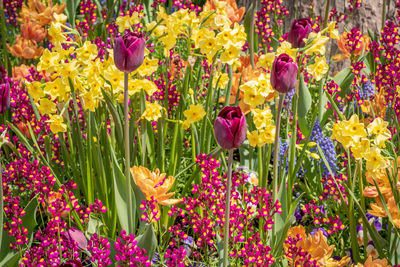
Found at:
(223, 133)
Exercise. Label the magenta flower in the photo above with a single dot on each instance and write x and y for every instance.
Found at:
(129, 52)
(78, 237)
(230, 127)
(301, 28)
(284, 74)
(4, 97)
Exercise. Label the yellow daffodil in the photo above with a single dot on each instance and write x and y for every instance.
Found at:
(379, 129)
(261, 118)
(148, 67)
(319, 68)
(127, 21)
(57, 124)
(194, 113)
(375, 160)
(46, 106)
(317, 45)
(152, 111)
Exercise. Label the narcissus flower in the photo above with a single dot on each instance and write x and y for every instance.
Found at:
(152, 111)
(319, 68)
(154, 185)
(379, 129)
(194, 113)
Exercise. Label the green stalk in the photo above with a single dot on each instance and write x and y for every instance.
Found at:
(276, 147)
(383, 14)
(127, 153)
(1, 200)
(227, 208)
(251, 45)
(326, 13)
(292, 150)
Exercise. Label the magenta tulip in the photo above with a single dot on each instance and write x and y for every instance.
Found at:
(4, 97)
(76, 236)
(230, 127)
(284, 74)
(300, 29)
(71, 263)
(129, 52)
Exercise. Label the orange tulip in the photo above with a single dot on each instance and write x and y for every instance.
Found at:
(154, 184)
(346, 54)
(316, 246)
(385, 188)
(234, 13)
(20, 72)
(27, 49)
(32, 31)
(40, 12)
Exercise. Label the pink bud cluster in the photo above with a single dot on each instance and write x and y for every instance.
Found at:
(128, 253)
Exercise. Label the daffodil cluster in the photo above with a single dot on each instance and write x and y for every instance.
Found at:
(364, 143)
(79, 70)
(265, 133)
(210, 32)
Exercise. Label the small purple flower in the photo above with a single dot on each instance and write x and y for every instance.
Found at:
(313, 232)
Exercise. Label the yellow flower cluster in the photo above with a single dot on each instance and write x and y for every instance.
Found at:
(210, 31)
(352, 134)
(255, 91)
(265, 133)
(88, 75)
(152, 111)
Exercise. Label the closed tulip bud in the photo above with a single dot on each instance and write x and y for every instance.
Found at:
(71, 263)
(300, 29)
(284, 74)
(4, 97)
(129, 52)
(230, 127)
(76, 236)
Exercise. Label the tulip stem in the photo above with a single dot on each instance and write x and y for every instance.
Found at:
(127, 154)
(251, 45)
(276, 147)
(227, 208)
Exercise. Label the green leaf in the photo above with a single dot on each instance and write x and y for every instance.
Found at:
(121, 198)
(148, 241)
(304, 98)
(9, 257)
(344, 79)
(247, 22)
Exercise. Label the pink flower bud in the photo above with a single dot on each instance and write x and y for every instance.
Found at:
(129, 52)
(300, 29)
(284, 74)
(230, 127)
(4, 97)
(77, 236)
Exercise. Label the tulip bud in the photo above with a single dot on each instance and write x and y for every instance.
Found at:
(129, 52)
(230, 127)
(284, 74)
(4, 97)
(71, 263)
(75, 235)
(300, 29)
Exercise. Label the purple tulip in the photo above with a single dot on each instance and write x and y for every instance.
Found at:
(230, 127)
(4, 97)
(76, 236)
(71, 263)
(300, 29)
(284, 74)
(129, 52)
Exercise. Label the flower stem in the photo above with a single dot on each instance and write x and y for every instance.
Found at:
(251, 45)
(227, 208)
(127, 153)
(276, 147)
(383, 13)
(326, 13)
